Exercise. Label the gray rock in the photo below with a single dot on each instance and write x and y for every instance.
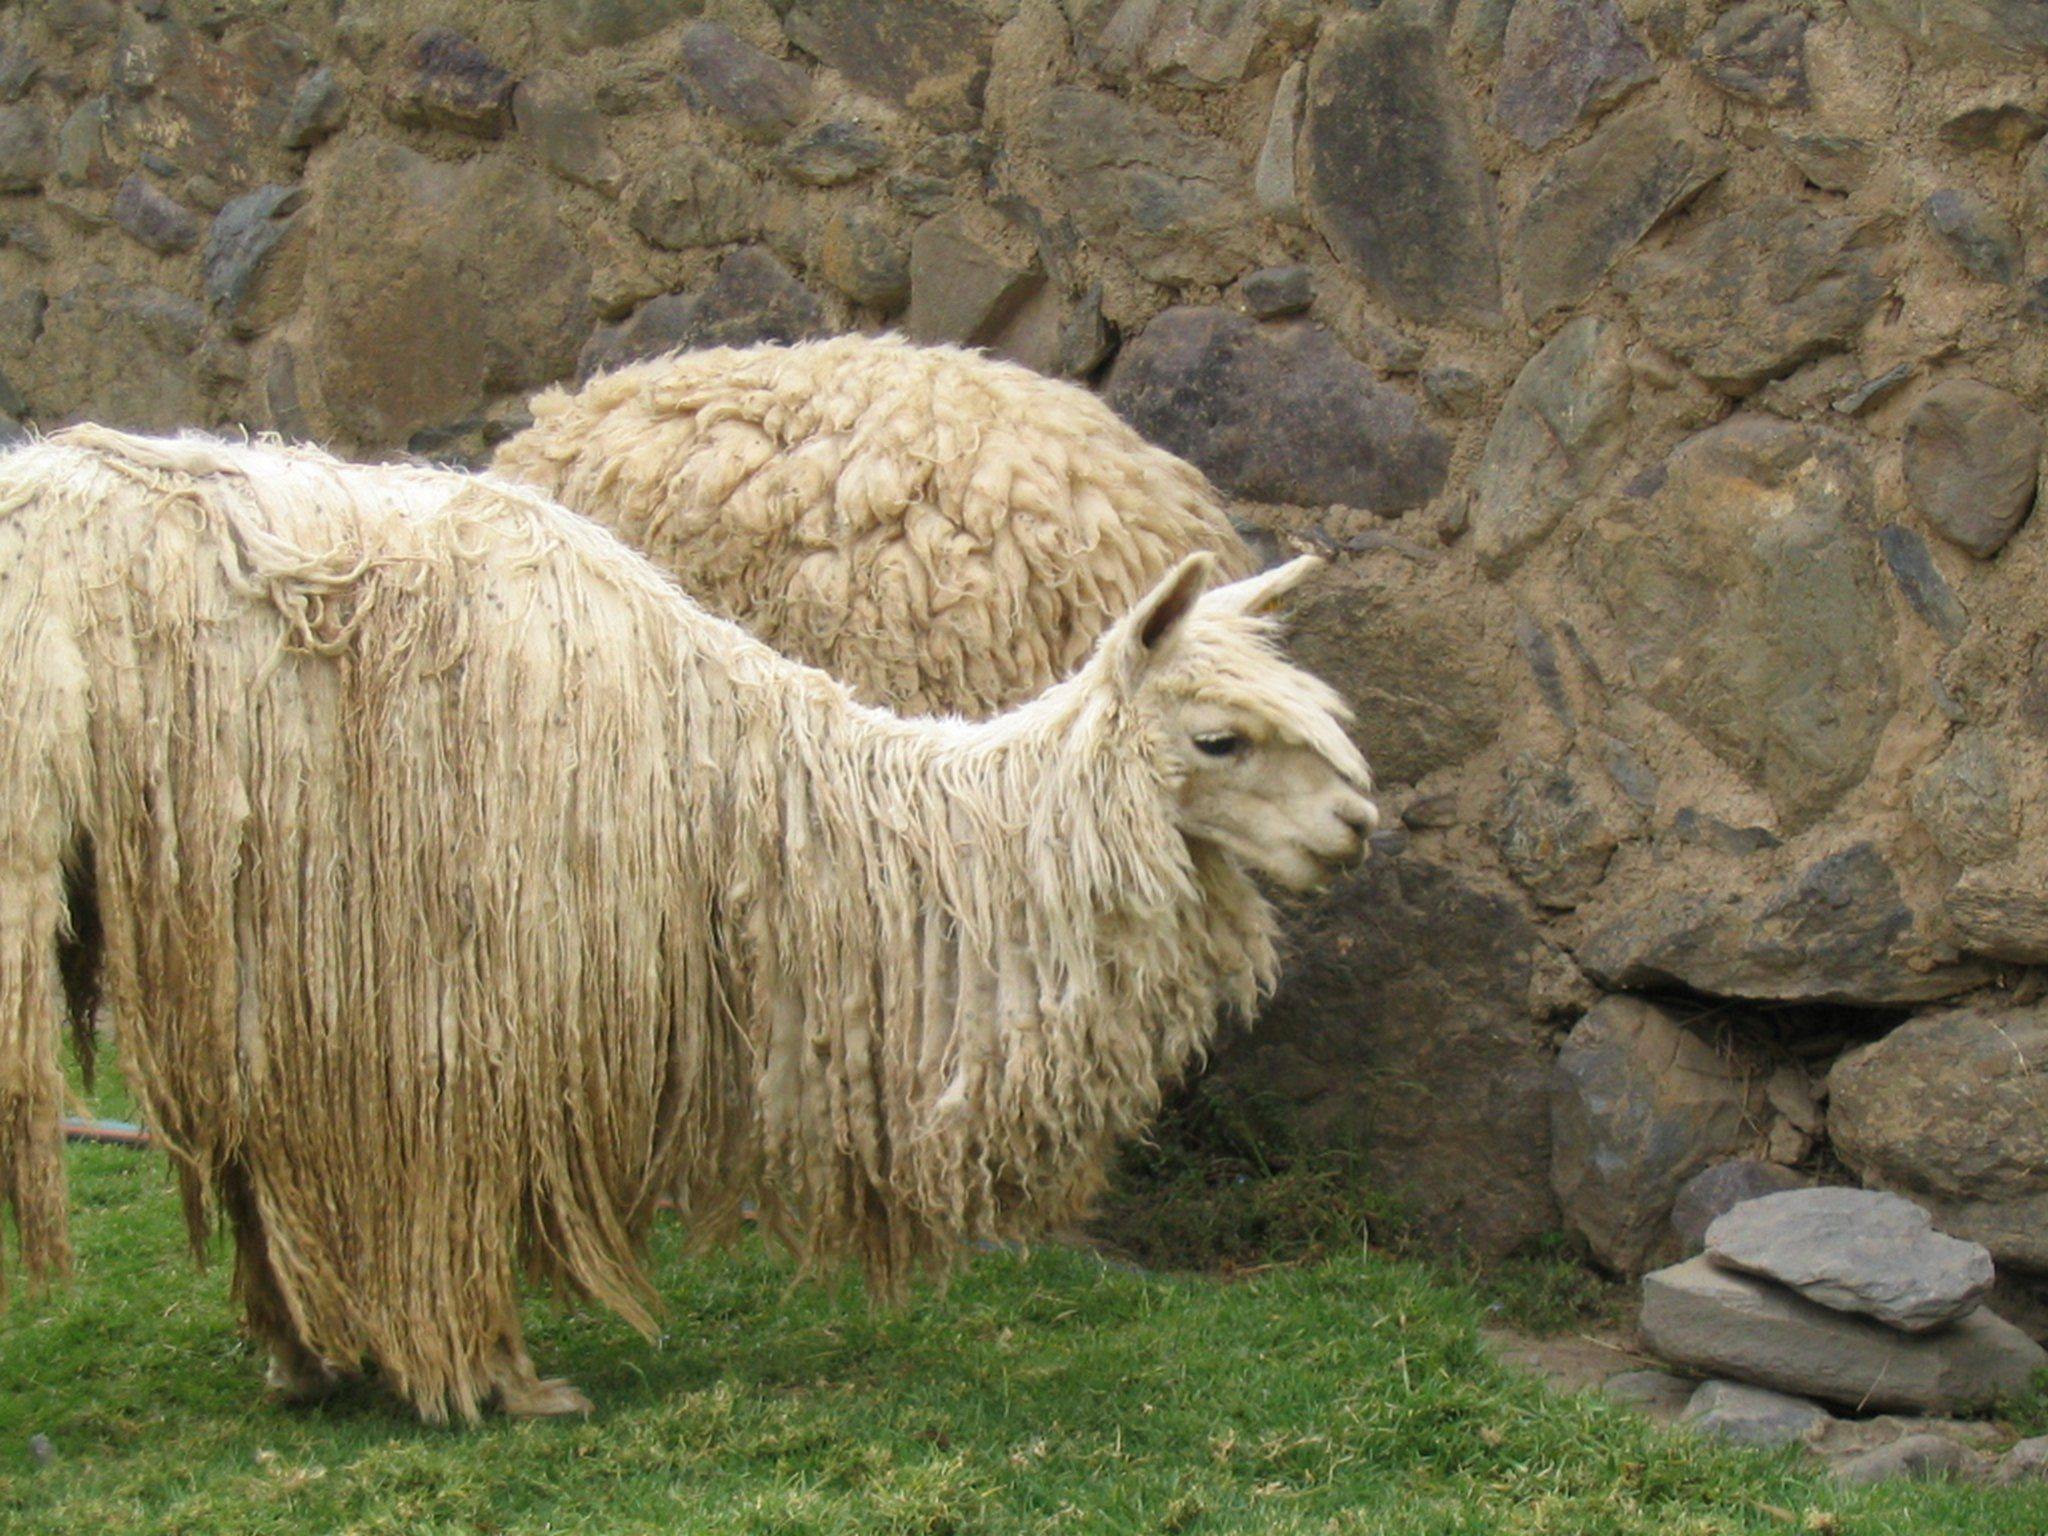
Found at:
(1951, 1110)
(1603, 196)
(694, 198)
(1963, 800)
(121, 354)
(563, 124)
(1198, 44)
(609, 23)
(1972, 460)
(1563, 60)
(1534, 642)
(319, 109)
(970, 272)
(1925, 588)
(1976, 233)
(1273, 187)
(1756, 292)
(1561, 427)
(2004, 30)
(833, 153)
(1742, 577)
(449, 82)
(1551, 835)
(1401, 1028)
(920, 195)
(1837, 931)
(1659, 1394)
(2006, 126)
(1639, 1103)
(1277, 413)
(1753, 1416)
(1914, 1458)
(40, 1451)
(1856, 1250)
(19, 69)
(24, 149)
(2001, 910)
(1056, 331)
(1272, 292)
(861, 255)
(1709, 1319)
(1706, 1196)
(148, 217)
(1873, 391)
(1393, 180)
(1455, 390)
(752, 299)
(1758, 53)
(81, 158)
(760, 95)
(252, 268)
(930, 56)
(1170, 201)
(2026, 1462)
(1691, 825)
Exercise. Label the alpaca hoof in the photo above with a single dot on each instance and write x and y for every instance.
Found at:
(300, 1381)
(544, 1400)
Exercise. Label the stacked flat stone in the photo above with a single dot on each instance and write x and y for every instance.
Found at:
(1849, 1296)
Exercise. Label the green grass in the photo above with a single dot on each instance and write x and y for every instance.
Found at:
(1045, 1393)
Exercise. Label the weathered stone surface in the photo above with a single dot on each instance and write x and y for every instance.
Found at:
(253, 267)
(2004, 30)
(25, 157)
(1709, 1195)
(1742, 1415)
(449, 82)
(1552, 836)
(1272, 292)
(1837, 931)
(319, 109)
(81, 158)
(1831, 161)
(1972, 460)
(1925, 588)
(1402, 1025)
(563, 124)
(609, 23)
(2026, 1462)
(1742, 578)
(928, 55)
(834, 153)
(1393, 181)
(862, 256)
(1276, 413)
(1199, 44)
(1964, 802)
(151, 219)
(1639, 1103)
(1273, 182)
(1599, 199)
(1171, 201)
(1856, 1250)
(210, 109)
(1563, 60)
(1661, 1395)
(760, 95)
(1951, 1109)
(1914, 1458)
(694, 198)
(2005, 126)
(1757, 52)
(1976, 232)
(2001, 910)
(1561, 426)
(970, 272)
(754, 298)
(1760, 290)
(442, 285)
(1710, 1319)
(121, 355)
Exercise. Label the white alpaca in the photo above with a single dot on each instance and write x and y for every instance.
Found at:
(946, 533)
(463, 891)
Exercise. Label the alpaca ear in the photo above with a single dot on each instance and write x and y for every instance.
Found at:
(1159, 611)
(1265, 592)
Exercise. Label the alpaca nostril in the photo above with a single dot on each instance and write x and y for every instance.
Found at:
(1364, 821)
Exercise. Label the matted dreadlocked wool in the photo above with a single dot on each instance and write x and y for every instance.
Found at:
(464, 890)
(945, 532)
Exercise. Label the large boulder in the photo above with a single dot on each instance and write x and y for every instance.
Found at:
(1403, 1027)
(1951, 1109)
(1744, 583)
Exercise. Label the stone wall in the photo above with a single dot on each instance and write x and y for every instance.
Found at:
(1665, 378)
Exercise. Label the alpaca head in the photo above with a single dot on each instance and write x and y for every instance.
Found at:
(1253, 748)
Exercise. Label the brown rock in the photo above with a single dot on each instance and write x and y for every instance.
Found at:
(446, 81)
(1972, 460)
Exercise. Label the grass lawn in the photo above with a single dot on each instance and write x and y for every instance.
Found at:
(1048, 1393)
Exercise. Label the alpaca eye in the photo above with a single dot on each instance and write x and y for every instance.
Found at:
(1220, 744)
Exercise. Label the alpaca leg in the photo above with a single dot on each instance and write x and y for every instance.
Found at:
(296, 1375)
(522, 1393)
